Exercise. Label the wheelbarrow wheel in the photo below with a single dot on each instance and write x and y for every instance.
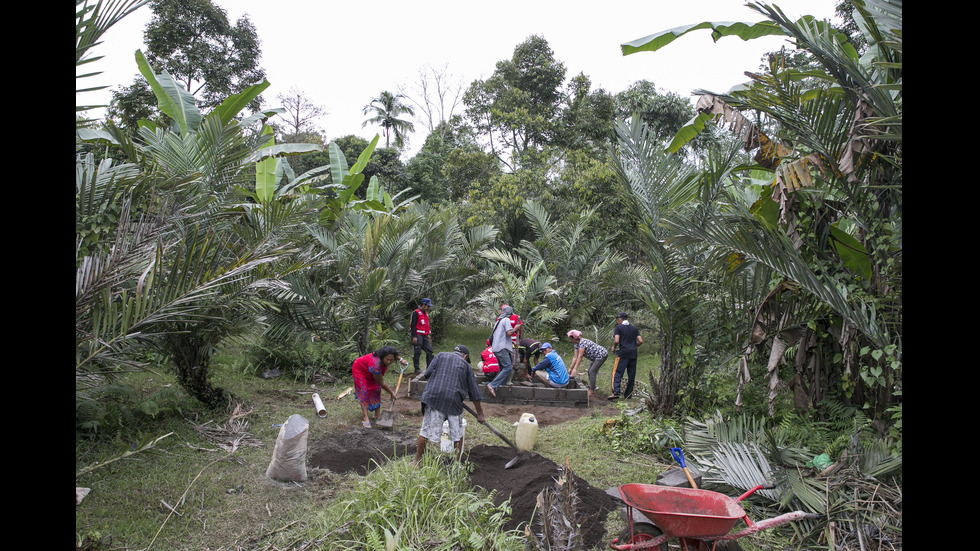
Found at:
(642, 531)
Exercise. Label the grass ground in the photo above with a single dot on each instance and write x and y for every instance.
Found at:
(224, 501)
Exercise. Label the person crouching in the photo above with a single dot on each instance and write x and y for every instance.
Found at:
(551, 370)
(489, 364)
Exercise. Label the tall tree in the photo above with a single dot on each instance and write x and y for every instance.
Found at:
(193, 41)
(587, 119)
(387, 108)
(517, 107)
(301, 113)
(436, 95)
(449, 161)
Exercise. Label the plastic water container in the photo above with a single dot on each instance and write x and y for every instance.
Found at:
(446, 443)
(527, 432)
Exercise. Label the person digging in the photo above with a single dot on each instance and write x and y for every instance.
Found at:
(450, 381)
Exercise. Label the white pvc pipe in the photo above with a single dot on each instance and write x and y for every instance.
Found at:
(318, 403)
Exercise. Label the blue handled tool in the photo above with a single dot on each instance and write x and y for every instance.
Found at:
(679, 456)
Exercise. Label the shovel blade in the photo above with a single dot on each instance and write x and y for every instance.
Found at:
(512, 462)
(386, 421)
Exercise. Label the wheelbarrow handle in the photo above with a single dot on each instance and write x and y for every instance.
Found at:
(766, 486)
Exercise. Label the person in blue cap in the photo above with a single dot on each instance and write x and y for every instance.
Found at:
(551, 370)
(421, 329)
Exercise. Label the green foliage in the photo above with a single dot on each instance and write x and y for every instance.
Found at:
(518, 106)
(401, 506)
(863, 486)
(449, 161)
(194, 42)
(382, 163)
(185, 274)
(831, 428)
(561, 276)
(386, 110)
(830, 223)
(92, 20)
(634, 432)
(104, 408)
(300, 357)
(664, 113)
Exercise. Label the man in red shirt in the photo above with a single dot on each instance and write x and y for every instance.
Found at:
(420, 328)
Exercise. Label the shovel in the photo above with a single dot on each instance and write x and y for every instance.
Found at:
(679, 456)
(517, 450)
(387, 418)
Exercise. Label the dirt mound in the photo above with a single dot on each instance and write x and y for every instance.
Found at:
(360, 450)
(522, 483)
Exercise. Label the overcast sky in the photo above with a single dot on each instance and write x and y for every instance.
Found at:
(343, 54)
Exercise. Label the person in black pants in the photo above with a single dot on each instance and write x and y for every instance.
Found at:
(419, 326)
(626, 340)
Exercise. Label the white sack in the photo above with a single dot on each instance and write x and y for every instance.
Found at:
(289, 456)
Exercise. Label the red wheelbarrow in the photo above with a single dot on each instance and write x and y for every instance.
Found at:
(698, 518)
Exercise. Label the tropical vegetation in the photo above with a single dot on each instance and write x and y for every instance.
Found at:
(755, 237)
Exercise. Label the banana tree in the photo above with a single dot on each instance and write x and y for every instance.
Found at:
(831, 224)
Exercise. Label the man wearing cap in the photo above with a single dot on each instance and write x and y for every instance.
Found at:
(551, 370)
(626, 338)
(451, 380)
(503, 349)
(420, 330)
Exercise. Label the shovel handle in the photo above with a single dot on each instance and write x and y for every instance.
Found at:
(489, 426)
(679, 456)
(397, 386)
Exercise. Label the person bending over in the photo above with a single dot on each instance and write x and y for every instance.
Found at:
(450, 381)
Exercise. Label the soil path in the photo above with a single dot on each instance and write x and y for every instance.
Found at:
(359, 449)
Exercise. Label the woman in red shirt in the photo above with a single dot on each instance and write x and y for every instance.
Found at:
(369, 378)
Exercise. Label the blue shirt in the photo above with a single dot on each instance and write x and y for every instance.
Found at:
(557, 372)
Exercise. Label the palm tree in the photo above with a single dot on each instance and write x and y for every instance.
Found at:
(837, 245)
(386, 109)
(187, 272)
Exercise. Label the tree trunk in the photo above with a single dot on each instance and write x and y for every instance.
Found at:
(191, 357)
(665, 388)
(194, 379)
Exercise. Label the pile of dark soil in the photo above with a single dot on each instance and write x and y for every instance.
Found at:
(522, 483)
(360, 450)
